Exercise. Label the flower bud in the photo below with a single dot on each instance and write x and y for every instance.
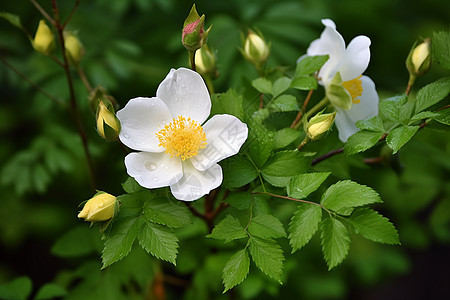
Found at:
(44, 41)
(319, 125)
(419, 58)
(108, 125)
(74, 49)
(256, 50)
(194, 36)
(205, 60)
(99, 208)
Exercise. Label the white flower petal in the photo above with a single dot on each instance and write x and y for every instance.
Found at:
(141, 119)
(365, 109)
(186, 94)
(356, 58)
(195, 184)
(154, 170)
(225, 135)
(332, 43)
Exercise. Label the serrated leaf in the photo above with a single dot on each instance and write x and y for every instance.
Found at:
(391, 107)
(423, 115)
(228, 103)
(441, 48)
(432, 93)
(236, 269)
(283, 165)
(361, 141)
(159, 241)
(262, 85)
(259, 143)
(238, 171)
(303, 225)
(17, 289)
(335, 241)
(268, 257)
(443, 117)
(400, 136)
(310, 64)
(372, 124)
(284, 137)
(120, 240)
(374, 226)
(280, 86)
(162, 210)
(266, 226)
(284, 103)
(239, 200)
(347, 193)
(11, 18)
(304, 83)
(228, 229)
(302, 185)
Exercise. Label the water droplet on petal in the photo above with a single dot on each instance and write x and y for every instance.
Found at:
(155, 179)
(126, 136)
(150, 166)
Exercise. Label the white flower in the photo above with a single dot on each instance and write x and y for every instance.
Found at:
(350, 63)
(176, 150)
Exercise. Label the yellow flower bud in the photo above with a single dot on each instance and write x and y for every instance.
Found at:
(108, 125)
(99, 208)
(205, 60)
(419, 58)
(44, 41)
(74, 49)
(256, 49)
(319, 124)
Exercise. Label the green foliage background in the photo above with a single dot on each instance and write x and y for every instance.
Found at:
(130, 47)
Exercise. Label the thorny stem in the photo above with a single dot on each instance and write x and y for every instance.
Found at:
(302, 111)
(73, 105)
(38, 88)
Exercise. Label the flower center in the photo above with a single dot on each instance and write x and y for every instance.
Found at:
(182, 138)
(354, 87)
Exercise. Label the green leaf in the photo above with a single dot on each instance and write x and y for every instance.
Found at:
(131, 186)
(374, 226)
(432, 93)
(391, 107)
(266, 226)
(268, 257)
(285, 137)
(280, 86)
(372, 124)
(238, 171)
(262, 85)
(160, 241)
(162, 210)
(259, 143)
(17, 289)
(228, 103)
(50, 291)
(74, 243)
(441, 48)
(284, 103)
(236, 269)
(335, 241)
(361, 141)
(302, 185)
(283, 165)
(11, 18)
(443, 117)
(424, 115)
(310, 64)
(120, 240)
(239, 200)
(228, 229)
(304, 83)
(303, 225)
(400, 136)
(344, 194)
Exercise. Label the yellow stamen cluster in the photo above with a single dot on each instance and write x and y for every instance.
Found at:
(354, 87)
(182, 138)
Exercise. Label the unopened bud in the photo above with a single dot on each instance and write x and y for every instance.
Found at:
(99, 208)
(108, 125)
(44, 41)
(74, 49)
(256, 50)
(205, 61)
(319, 124)
(194, 36)
(419, 58)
